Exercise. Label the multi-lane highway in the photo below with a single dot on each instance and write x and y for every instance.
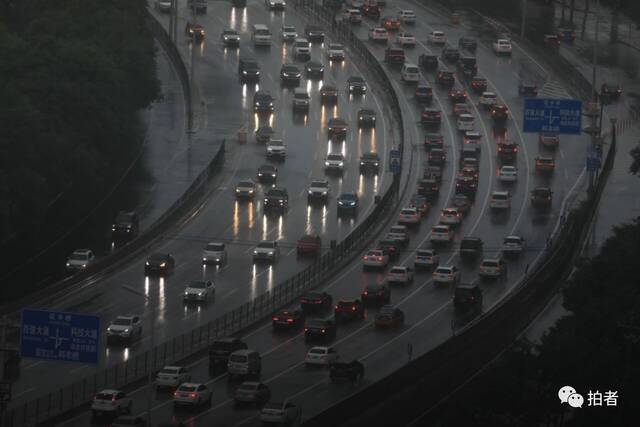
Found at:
(430, 317)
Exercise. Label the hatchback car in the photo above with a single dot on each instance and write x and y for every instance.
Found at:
(446, 274)
(192, 394)
(400, 274)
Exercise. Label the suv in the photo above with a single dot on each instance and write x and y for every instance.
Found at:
(314, 301)
(262, 102)
(499, 113)
(541, 197)
(423, 94)
(611, 91)
(336, 128)
(276, 149)
(80, 259)
(356, 85)
(160, 264)
(287, 319)
(433, 141)
(376, 293)
(349, 310)
(281, 413)
(446, 79)
(221, 348)
(450, 54)
(545, 164)
(431, 117)
(428, 62)
(526, 88)
(492, 268)
(347, 203)
(468, 66)
(394, 55)
(125, 328)
(369, 162)
(309, 244)
(276, 198)
(328, 95)
(500, 200)
(549, 140)
(470, 247)
(266, 250)
(479, 84)
(366, 118)
(301, 99)
(318, 190)
(125, 226)
(248, 69)
(244, 363)
(426, 259)
(301, 48)
(319, 329)
(290, 74)
(507, 151)
(352, 371)
(467, 296)
(437, 157)
(314, 33)
(267, 173)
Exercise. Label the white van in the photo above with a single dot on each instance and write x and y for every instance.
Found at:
(244, 363)
(410, 73)
(261, 35)
(466, 122)
(300, 99)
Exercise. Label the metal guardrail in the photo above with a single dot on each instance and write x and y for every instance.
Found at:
(79, 393)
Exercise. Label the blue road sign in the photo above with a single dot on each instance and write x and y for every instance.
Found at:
(59, 336)
(394, 161)
(553, 115)
(593, 164)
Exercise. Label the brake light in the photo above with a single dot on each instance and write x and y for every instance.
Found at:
(306, 329)
(365, 293)
(322, 331)
(289, 320)
(379, 258)
(353, 308)
(337, 307)
(176, 394)
(275, 318)
(193, 395)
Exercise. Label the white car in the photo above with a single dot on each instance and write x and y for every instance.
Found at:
(426, 258)
(321, 356)
(245, 189)
(500, 200)
(466, 122)
(508, 173)
(447, 274)
(193, 394)
(112, 402)
(266, 250)
(318, 190)
(289, 33)
(400, 274)
(441, 233)
(80, 259)
(276, 149)
(199, 290)
(301, 48)
(281, 413)
(406, 39)
(407, 16)
(513, 245)
(437, 37)
(335, 52)
(488, 99)
(353, 16)
(410, 73)
(172, 376)
(492, 267)
(230, 38)
(409, 216)
(378, 34)
(125, 327)
(450, 216)
(375, 258)
(502, 47)
(214, 253)
(334, 161)
(399, 233)
(275, 4)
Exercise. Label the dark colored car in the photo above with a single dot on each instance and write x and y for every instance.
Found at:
(366, 118)
(390, 23)
(288, 319)
(370, 162)
(389, 316)
(428, 62)
(314, 33)
(356, 85)
(394, 55)
(290, 74)
(423, 94)
(467, 296)
(507, 151)
(450, 54)
(457, 96)
(263, 134)
(239, 3)
(467, 186)
(337, 128)
(262, 102)
(391, 247)
(479, 84)
(248, 69)
(468, 66)
(468, 43)
(376, 293)
(267, 173)
(428, 188)
(348, 203)
(194, 32)
(437, 157)
(611, 91)
(314, 70)
(461, 202)
(527, 89)
(159, 264)
(468, 151)
(433, 140)
(352, 371)
(370, 11)
(541, 197)
(319, 329)
(126, 226)
(432, 171)
(470, 247)
(314, 301)
(309, 244)
(499, 113)
(552, 40)
(221, 348)
(349, 310)
(276, 198)
(431, 117)
(446, 79)
(328, 95)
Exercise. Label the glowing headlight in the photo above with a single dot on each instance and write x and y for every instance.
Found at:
(266, 201)
(244, 72)
(163, 265)
(237, 190)
(69, 264)
(310, 193)
(147, 263)
(326, 163)
(186, 293)
(255, 252)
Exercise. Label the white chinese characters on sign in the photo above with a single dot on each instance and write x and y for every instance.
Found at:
(568, 394)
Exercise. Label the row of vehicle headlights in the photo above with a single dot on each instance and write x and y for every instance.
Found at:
(163, 265)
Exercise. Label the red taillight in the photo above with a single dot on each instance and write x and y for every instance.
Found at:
(289, 320)
(337, 307)
(176, 394)
(322, 331)
(353, 309)
(306, 329)
(379, 258)
(275, 318)
(193, 395)
(365, 293)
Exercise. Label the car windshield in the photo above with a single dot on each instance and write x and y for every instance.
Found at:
(266, 245)
(262, 97)
(424, 253)
(386, 311)
(222, 346)
(215, 247)
(198, 285)
(408, 212)
(500, 196)
(508, 169)
(512, 240)
(439, 230)
(335, 46)
(466, 118)
(104, 396)
(490, 263)
(348, 197)
(229, 32)
(290, 68)
(169, 371)
(248, 386)
(316, 323)
(334, 157)
(122, 322)
(267, 168)
(319, 184)
(250, 65)
(79, 257)
(443, 270)
(302, 43)
(370, 156)
(287, 29)
(188, 388)
(317, 351)
(273, 405)
(276, 193)
(397, 270)
(238, 358)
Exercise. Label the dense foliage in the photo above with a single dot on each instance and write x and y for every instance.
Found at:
(73, 75)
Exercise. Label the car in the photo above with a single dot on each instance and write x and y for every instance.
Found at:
(195, 32)
(192, 394)
(500, 200)
(512, 245)
(369, 162)
(222, 348)
(244, 363)
(426, 259)
(467, 296)
(407, 16)
(199, 291)
(508, 173)
(376, 293)
(309, 244)
(470, 247)
(499, 113)
(472, 172)
(409, 216)
(450, 54)
(423, 94)
(248, 70)
(290, 74)
(450, 216)
(507, 151)
(129, 421)
(488, 100)
(465, 123)
(301, 48)
(314, 33)
(261, 36)
(468, 43)
(281, 413)
(492, 268)
(124, 328)
(421, 203)
(457, 96)
(318, 191)
(356, 85)
(446, 79)
(406, 39)
(301, 100)
(389, 316)
(610, 91)
(472, 139)
(335, 52)
(527, 88)
(245, 189)
(552, 40)
(275, 4)
(541, 197)
(263, 134)
(366, 118)
(263, 102)
(390, 23)
(437, 38)
(334, 162)
(431, 117)
(337, 128)
(80, 259)
(375, 258)
(328, 95)
(441, 233)
(353, 16)
(126, 226)
(379, 35)
(433, 141)
(410, 73)
(276, 149)
(467, 186)
(352, 371)
(437, 157)
(446, 274)
(347, 203)
(111, 401)
(163, 6)
(319, 329)
(267, 173)
(502, 47)
(198, 6)
(479, 84)
(394, 55)
(348, 309)
(314, 70)
(460, 108)
(230, 38)
(315, 301)
(287, 319)
(468, 66)
(390, 246)
(399, 233)
(289, 33)
(252, 392)
(545, 165)
(428, 62)
(428, 188)
(172, 377)
(400, 274)
(266, 250)
(549, 140)
(160, 264)
(371, 10)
